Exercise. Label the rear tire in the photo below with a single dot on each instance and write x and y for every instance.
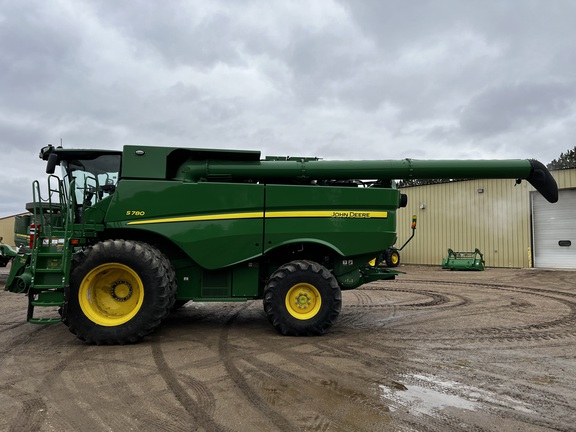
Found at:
(302, 298)
(119, 291)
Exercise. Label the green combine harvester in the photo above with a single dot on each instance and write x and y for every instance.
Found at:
(122, 238)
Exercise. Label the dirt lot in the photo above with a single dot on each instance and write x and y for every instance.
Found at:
(432, 351)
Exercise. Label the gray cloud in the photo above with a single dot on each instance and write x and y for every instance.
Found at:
(527, 105)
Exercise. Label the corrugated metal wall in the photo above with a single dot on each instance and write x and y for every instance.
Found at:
(566, 178)
(7, 230)
(458, 216)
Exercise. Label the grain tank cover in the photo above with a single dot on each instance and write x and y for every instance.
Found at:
(162, 163)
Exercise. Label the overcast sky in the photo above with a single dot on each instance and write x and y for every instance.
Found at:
(357, 79)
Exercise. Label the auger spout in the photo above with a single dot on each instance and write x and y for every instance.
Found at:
(312, 169)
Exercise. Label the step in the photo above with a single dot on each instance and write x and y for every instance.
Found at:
(50, 254)
(48, 270)
(40, 303)
(52, 294)
(45, 320)
(47, 287)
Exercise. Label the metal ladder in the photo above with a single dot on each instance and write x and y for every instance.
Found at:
(51, 253)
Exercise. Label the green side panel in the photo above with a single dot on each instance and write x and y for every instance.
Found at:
(245, 280)
(150, 165)
(215, 224)
(239, 281)
(96, 213)
(216, 283)
(352, 221)
(189, 281)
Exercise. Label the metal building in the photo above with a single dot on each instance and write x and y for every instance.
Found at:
(512, 225)
(7, 229)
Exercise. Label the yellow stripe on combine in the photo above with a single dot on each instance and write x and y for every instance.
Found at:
(338, 214)
(223, 216)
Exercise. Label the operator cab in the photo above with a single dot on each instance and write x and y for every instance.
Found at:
(91, 175)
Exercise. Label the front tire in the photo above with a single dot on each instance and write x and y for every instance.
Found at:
(119, 292)
(302, 298)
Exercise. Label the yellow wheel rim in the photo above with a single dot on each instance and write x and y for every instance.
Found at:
(111, 294)
(394, 258)
(303, 301)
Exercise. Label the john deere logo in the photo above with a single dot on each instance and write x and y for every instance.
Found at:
(351, 215)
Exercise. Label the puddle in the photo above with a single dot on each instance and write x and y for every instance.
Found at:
(427, 394)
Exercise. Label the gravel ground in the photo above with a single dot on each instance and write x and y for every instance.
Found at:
(433, 350)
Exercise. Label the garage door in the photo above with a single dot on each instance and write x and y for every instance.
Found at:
(554, 230)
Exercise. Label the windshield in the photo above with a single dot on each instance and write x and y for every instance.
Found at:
(94, 178)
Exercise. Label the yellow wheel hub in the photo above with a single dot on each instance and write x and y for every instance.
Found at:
(303, 301)
(394, 258)
(111, 294)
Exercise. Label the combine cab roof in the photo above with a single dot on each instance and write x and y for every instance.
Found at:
(63, 153)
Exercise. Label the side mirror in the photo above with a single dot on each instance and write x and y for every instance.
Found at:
(45, 151)
(52, 162)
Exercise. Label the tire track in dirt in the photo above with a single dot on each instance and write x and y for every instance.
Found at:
(196, 410)
(107, 385)
(519, 393)
(438, 299)
(275, 378)
(13, 339)
(23, 338)
(85, 400)
(258, 402)
(130, 381)
(16, 341)
(319, 388)
(33, 412)
(88, 401)
(349, 316)
(321, 394)
(362, 298)
(522, 333)
(444, 422)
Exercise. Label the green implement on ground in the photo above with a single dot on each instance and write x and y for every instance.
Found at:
(6, 253)
(463, 260)
(122, 238)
